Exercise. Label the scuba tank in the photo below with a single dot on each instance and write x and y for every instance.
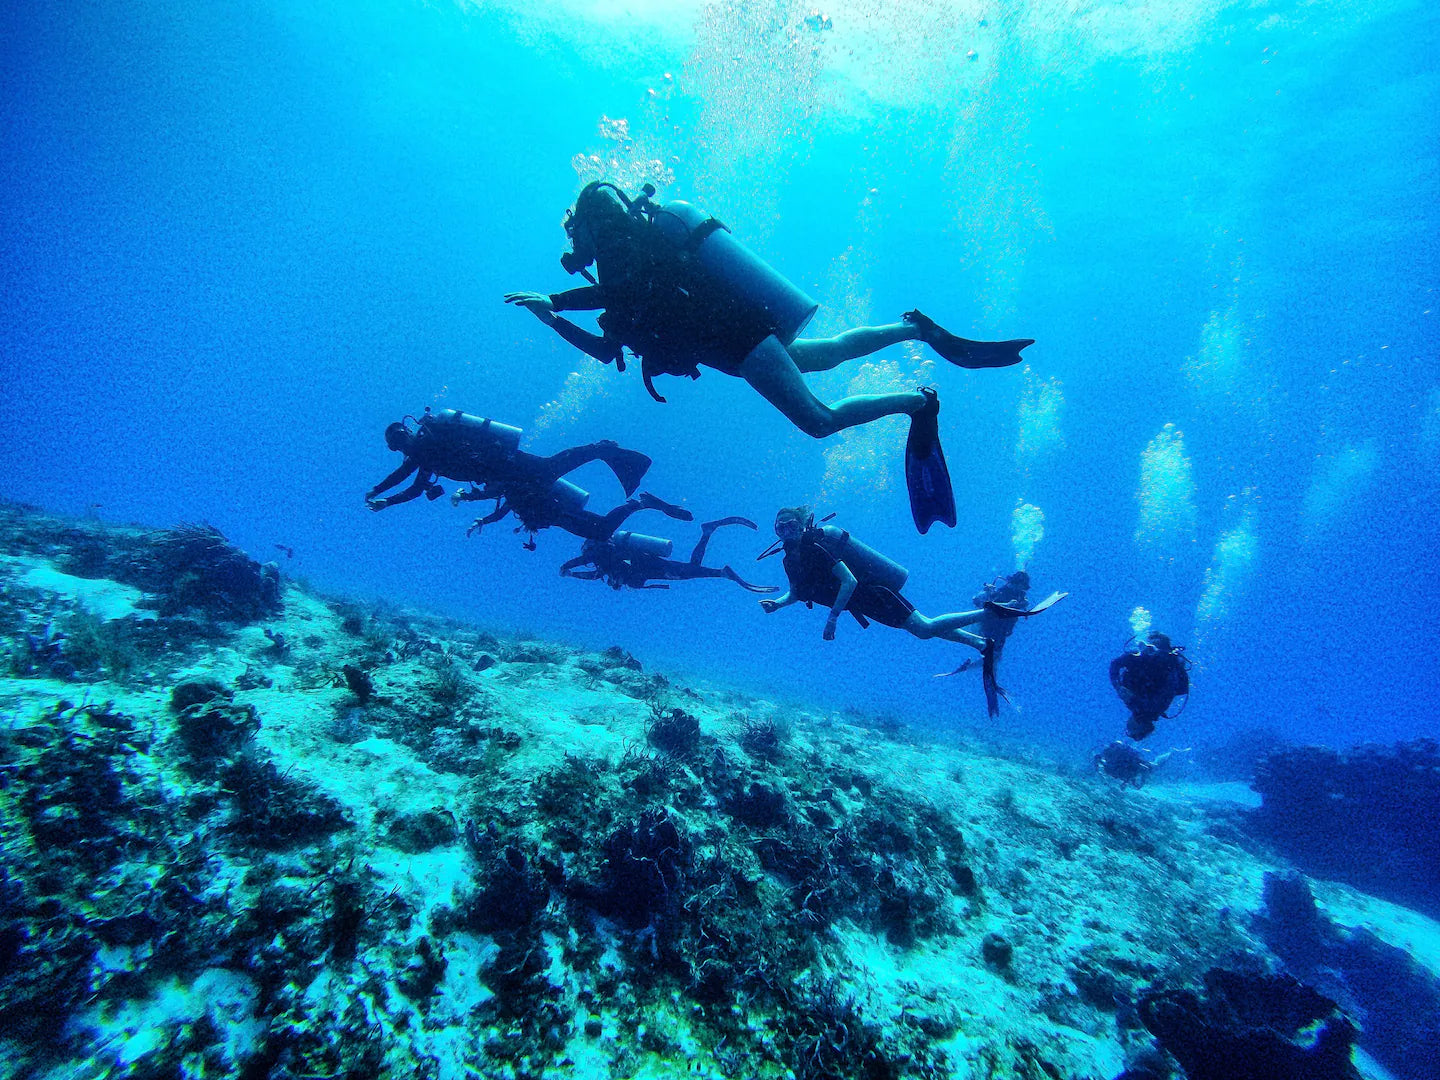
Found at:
(571, 497)
(633, 543)
(468, 425)
(748, 281)
(867, 564)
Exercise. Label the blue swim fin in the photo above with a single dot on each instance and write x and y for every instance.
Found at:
(931, 497)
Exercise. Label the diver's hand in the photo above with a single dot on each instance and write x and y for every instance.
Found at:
(477, 525)
(769, 606)
(376, 504)
(536, 303)
(829, 634)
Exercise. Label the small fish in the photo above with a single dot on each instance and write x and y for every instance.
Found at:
(289, 551)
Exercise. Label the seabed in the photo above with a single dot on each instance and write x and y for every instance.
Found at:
(253, 831)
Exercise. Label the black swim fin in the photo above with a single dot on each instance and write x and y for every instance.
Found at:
(993, 690)
(629, 467)
(1021, 613)
(931, 497)
(733, 576)
(962, 351)
(654, 502)
(720, 523)
(965, 665)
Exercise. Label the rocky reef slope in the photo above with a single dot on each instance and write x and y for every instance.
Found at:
(253, 831)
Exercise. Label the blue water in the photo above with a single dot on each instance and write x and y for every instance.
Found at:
(238, 240)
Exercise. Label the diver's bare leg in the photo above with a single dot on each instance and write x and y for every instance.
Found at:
(944, 627)
(942, 624)
(773, 372)
(822, 354)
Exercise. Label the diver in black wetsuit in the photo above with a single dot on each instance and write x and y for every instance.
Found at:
(1148, 677)
(467, 448)
(1128, 763)
(826, 565)
(538, 507)
(634, 562)
(680, 305)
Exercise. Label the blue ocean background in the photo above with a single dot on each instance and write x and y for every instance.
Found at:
(239, 240)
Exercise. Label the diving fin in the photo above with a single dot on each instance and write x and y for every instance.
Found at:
(931, 497)
(720, 523)
(993, 690)
(962, 351)
(965, 665)
(733, 576)
(629, 467)
(654, 502)
(1018, 613)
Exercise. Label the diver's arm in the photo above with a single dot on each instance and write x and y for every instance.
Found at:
(842, 598)
(584, 298)
(422, 484)
(785, 599)
(501, 510)
(406, 468)
(598, 346)
(567, 569)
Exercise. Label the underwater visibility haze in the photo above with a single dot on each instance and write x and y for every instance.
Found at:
(547, 816)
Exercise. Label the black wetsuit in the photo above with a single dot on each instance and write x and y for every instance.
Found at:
(635, 569)
(810, 568)
(1148, 681)
(538, 508)
(442, 450)
(659, 303)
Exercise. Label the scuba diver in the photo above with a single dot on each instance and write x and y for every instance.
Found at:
(470, 448)
(561, 505)
(826, 565)
(678, 291)
(1128, 763)
(1149, 676)
(1008, 592)
(632, 560)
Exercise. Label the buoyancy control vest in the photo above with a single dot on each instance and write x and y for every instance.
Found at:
(687, 293)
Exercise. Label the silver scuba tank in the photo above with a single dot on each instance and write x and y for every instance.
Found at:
(504, 436)
(750, 280)
(628, 542)
(572, 497)
(867, 564)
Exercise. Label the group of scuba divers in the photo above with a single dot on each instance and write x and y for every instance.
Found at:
(675, 288)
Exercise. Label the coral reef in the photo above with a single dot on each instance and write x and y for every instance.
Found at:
(1252, 1027)
(356, 841)
(1369, 816)
(1395, 1000)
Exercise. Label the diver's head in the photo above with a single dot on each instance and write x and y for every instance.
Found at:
(1159, 640)
(791, 523)
(398, 437)
(599, 216)
(1020, 580)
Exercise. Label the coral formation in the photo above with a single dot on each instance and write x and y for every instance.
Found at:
(400, 845)
(1252, 1027)
(1395, 1000)
(1369, 816)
